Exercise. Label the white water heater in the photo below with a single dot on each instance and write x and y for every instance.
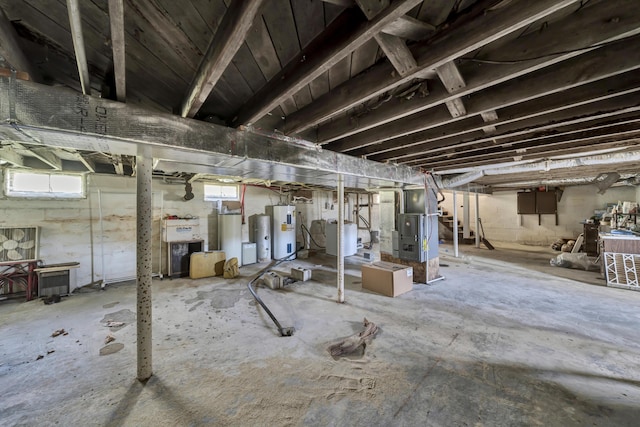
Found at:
(260, 234)
(230, 232)
(283, 231)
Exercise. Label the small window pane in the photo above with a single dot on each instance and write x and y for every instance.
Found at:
(44, 185)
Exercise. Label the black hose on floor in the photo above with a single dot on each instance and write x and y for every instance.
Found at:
(285, 332)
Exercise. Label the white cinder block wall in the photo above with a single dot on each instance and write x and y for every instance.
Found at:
(501, 222)
(99, 232)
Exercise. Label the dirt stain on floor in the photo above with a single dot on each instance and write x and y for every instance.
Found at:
(111, 304)
(221, 298)
(111, 348)
(125, 316)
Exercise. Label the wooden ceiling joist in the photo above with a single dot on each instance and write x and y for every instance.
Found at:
(379, 79)
(229, 37)
(522, 56)
(615, 59)
(75, 22)
(116, 21)
(319, 56)
(8, 154)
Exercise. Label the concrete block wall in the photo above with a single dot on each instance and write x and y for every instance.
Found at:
(502, 223)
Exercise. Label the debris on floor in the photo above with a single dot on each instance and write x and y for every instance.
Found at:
(231, 270)
(113, 324)
(354, 343)
(53, 299)
(579, 260)
(58, 332)
(111, 348)
(109, 338)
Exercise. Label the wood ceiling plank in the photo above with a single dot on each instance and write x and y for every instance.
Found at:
(319, 56)
(247, 66)
(332, 11)
(364, 57)
(435, 12)
(278, 17)
(340, 72)
(184, 15)
(303, 97)
(226, 42)
(320, 85)
(211, 12)
(10, 49)
(262, 49)
(378, 80)
(116, 20)
(309, 19)
(607, 61)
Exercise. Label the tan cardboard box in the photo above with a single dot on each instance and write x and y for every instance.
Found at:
(206, 264)
(387, 278)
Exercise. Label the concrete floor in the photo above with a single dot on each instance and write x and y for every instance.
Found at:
(494, 344)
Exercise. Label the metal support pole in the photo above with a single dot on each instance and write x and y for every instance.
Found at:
(466, 229)
(144, 169)
(455, 225)
(477, 221)
(340, 228)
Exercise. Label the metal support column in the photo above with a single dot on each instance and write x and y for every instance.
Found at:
(144, 169)
(455, 225)
(477, 221)
(466, 229)
(340, 228)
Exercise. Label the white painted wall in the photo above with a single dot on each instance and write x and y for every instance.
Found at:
(502, 223)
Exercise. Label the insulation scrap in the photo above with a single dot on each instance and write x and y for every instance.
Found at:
(353, 343)
(112, 324)
(109, 338)
(58, 332)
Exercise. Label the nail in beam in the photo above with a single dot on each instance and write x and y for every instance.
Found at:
(144, 169)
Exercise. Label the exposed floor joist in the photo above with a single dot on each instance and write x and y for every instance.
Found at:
(228, 39)
(522, 56)
(75, 22)
(380, 78)
(116, 21)
(318, 57)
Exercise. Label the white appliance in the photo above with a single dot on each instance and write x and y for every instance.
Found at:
(248, 253)
(349, 239)
(230, 232)
(283, 231)
(260, 234)
(181, 230)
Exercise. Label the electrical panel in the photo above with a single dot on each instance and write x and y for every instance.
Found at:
(412, 238)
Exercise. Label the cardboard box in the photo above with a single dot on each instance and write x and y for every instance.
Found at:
(206, 264)
(387, 278)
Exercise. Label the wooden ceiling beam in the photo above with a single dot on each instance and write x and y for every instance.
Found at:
(116, 22)
(528, 114)
(452, 80)
(605, 62)
(583, 137)
(409, 28)
(393, 47)
(575, 119)
(10, 49)
(75, 22)
(577, 146)
(524, 55)
(86, 161)
(460, 41)
(334, 44)
(45, 155)
(229, 37)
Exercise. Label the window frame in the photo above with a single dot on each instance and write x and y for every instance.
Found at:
(216, 198)
(10, 192)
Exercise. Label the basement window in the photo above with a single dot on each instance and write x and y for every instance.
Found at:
(213, 192)
(50, 185)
